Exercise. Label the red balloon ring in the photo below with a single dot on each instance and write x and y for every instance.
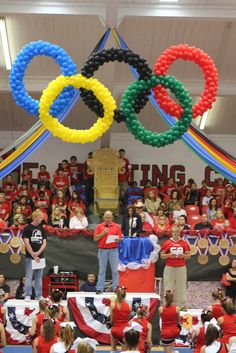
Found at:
(185, 52)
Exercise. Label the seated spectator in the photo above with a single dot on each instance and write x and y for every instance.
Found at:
(161, 188)
(203, 190)
(42, 187)
(59, 200)
(9, 180)
(79, 220)
(164, 206)
(228, 208)
(193, 195)
(19, 222)
(90, 284)
(148, 184)
(169, 187)
(75, 202)
(139, 208)
(134, 193)
(219, 222)
(58, 218)
(25, 190)
(187, 187)
(4, 290)
(227, 227)
(66, 168)
(232, 220)
(43, 176)
(182, 223)
(178, 211)
(26, 175)
(20, 291)
(5, 208)
(229, 192)
(41, 202)
(131, 223)
(205, 224)
(207, 198)
(147, 229)
(162, 227)
(219, 190)
(60, 181)
(212, 208)
(10, 194)
(26, 209)
(174, 198)
(152, 202)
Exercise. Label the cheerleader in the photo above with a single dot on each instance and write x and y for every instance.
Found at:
(38, 319)
(212, 344)
(170, 330)
(85, 345)
(3, 340)
(119, 317)
(56, 297)
(198, 336)
(216, 307)
(132, 337)
(66, 339)
(227, 322)
(44, 342)
(145, 342)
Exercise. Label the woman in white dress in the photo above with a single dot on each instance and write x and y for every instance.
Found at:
(79, 220)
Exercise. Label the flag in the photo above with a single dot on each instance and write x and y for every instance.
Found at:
(92, 313)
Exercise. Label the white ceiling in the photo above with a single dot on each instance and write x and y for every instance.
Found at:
(148, 27)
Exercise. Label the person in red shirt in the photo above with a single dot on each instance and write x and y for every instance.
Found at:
(26, 210)
(60, 181)
(232, 220)
(218, 222)
(198, 336)
(227, 322)
(26, 175)
(123, 178)
(75, 202)
(147, 229)
(43, 188)
(216, 307)
(162, 228)
(175, 252)
(44, 342)
(213, 345)
(119, 317)
(229, 193)
(43, 176)
(66, 168)
(9, 180)
(108, 234)
(219, 191)
(25, 190)
(5, 207)
(10, 194)
(75, 171)
(169, 187)
(203, 189)
(170, 329)
(41, 202)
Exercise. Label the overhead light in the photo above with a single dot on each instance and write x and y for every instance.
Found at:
(203, 120)
(168, 0)
(5, 43)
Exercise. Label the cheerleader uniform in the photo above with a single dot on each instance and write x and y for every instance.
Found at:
(39, 323)
(216, 347)
(170, 330)
(200, 340)
(143, 335)
(228, 327)
(217, 310)
(120, 320)
(45, 346)
(62, 314)
(59, 347)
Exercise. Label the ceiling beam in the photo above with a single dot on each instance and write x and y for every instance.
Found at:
(54, 7)
(117, 87)
(178, 11)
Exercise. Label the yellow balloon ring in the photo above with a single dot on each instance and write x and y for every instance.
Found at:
(72, 135)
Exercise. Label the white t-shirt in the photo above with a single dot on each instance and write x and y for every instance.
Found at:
(75, 223)
(213, 348)
(59, 347)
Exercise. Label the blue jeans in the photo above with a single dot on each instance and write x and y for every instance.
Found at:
(38, 274)
(105, 256)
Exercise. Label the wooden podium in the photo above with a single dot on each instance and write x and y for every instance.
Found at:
(105, 165)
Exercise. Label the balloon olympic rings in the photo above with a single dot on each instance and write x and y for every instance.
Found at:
(59, 93)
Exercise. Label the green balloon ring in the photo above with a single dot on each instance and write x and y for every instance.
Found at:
(137, 129)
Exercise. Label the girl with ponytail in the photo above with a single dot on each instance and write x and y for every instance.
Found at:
(227, 322)
(119, 317)
(66, 339)
(44, 342)
(216, 307)
(145, 341)
(198, 336)
(170, 329)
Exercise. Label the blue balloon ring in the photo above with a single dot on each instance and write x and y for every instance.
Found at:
(23, 59)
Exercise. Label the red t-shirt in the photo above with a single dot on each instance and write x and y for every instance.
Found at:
(27, 177)
(5, 209)
(176, 247)
(60, 182)
(160, 232)
(232, 221)
(14, 186)
(113, 229)
(124, 177)
(169, 188)
(43, 176)
(218, 224)
(146, 229)
(10, 196)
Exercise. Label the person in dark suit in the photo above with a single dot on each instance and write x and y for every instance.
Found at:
(132, 223)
